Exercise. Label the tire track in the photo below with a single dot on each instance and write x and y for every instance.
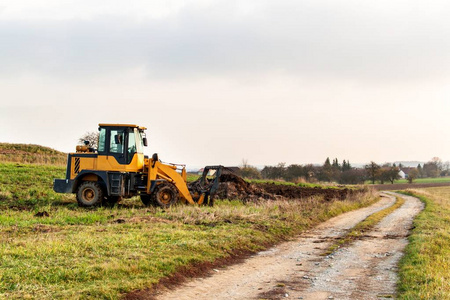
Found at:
(367, 269)
(297, 270)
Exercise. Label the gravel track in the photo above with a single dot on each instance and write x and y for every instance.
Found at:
(296, 270)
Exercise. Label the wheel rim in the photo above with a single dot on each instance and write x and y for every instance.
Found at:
(88, 194)
(166, 197)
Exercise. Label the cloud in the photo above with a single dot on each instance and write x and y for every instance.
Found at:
(351, 40)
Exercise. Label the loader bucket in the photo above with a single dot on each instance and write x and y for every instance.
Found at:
(204, 189)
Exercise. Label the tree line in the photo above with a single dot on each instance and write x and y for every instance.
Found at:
(345, 173)
(330, 171)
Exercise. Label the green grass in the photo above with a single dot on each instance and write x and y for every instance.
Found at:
(364, 226)
(78, 253)
(426, 180)
(192, 177)
(418, 180)
(424, 269)
(29, 185)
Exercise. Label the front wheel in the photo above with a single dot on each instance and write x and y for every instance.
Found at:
(89, 193)
(165, 195)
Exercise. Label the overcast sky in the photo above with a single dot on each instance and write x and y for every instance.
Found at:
(216, 82)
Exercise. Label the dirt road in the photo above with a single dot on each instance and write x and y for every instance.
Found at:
(296, 269)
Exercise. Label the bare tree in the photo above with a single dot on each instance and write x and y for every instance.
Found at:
(353, 176)
(92, 137)
(446, 169)
(413, 174)
(373, 171)
(433, 168)
(392, 174)
(249, 171)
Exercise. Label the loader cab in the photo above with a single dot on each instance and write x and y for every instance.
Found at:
(123, 142)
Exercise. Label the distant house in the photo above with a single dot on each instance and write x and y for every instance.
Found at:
(405, 171)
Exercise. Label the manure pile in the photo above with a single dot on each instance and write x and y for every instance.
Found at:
(234, 187)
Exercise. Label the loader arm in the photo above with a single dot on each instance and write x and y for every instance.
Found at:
(160, 171)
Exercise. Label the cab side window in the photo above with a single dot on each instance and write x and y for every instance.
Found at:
(102, 140)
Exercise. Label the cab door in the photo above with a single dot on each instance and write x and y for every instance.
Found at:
(118, 144)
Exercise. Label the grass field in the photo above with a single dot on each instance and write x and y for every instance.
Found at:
(418, 180)
(30, 185)
(426, 180)
(424, 270)
(52, 249)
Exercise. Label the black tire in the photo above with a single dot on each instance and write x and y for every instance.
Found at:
(165, 195)
(89, 193)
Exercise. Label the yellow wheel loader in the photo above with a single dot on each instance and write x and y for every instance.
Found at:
(119, 169)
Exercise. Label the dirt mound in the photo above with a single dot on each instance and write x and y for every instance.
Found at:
(295, 192)
(234, 187)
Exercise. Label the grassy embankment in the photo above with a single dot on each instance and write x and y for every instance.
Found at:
(424, 270)
(28, 153)
(103, 253)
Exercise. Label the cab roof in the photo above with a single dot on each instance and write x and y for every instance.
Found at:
(122, 125)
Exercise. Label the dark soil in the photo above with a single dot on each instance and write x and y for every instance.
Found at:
(42, 214)
(234, 187)
(296, 192)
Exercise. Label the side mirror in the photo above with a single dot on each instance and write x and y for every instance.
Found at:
(145, 141)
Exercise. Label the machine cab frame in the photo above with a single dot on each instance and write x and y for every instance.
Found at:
(122, 142)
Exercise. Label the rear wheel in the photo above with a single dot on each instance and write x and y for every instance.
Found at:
(89, 193)
(165, 195)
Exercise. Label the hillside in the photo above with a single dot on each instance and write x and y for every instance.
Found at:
(29, 153)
